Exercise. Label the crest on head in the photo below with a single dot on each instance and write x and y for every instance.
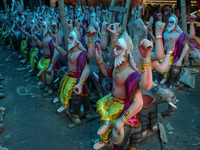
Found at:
(73, 41)
(95, 24)
(93, 15)
(173, 24)
(174, 16)
(126, 43)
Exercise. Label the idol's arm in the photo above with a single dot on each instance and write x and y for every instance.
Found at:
(159, 50)
(84, 75)
(61, 51)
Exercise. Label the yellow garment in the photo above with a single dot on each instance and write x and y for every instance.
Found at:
(132, 148)
(43, 64)
(23, 43)
(110, 109)
(11, 40)
(31, 55)
(4, 34)
(66, 86)
(165, 74)
(198, 39)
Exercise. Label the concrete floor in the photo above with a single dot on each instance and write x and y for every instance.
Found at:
(31, 121)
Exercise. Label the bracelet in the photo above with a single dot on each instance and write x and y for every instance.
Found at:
(158, 37)
(112, 44)
(107, 123)
(123, 119)
(169, 52)
(143, 67)
(82, 81)
(51, 65)
(126, 113)
(59, 49)
(90, 41)
(104, 34)
(146, 60)
(180, 59)
(100, 63)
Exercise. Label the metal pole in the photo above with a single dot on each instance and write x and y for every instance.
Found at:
(61, 5)
(126, 15)
(184, 25)
(7, 13)
(111, 13)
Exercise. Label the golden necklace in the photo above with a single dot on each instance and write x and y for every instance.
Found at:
(45, 36)
(119, 70)
(70, 52)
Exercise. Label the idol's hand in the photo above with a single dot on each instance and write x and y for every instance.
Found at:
(145, 48)
(50, 69)
(69, 24)
(159, 15)
(119, 126)
(98, 55)
(151, 21)
(78, 89)
(91, 32)
(192, 18)
(178, 63)
(104, 26)
(159, 28)
(113, 31)
(78, 23)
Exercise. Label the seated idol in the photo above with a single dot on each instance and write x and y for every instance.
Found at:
(123, 104)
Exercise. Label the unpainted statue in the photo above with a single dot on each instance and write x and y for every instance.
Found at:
(156, 95)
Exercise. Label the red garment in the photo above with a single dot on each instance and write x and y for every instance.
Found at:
(198, 4)
(73, 2)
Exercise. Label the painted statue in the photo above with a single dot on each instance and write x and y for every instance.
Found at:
(120, 108)
(47, 64)
(73, 84)
(156, 95)
(181, 48)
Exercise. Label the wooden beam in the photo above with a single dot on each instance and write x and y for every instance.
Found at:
(7, 13)
(61, 5)
(184, 25)
(111, 13)
(116, 8)
(126, 15)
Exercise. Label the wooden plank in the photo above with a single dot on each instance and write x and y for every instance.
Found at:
(179, 86)
(93, 115)
(148, 135)
(117, 8)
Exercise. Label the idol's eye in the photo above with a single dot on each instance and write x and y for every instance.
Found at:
(70, 37)
(118, 47)
(171, 21)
